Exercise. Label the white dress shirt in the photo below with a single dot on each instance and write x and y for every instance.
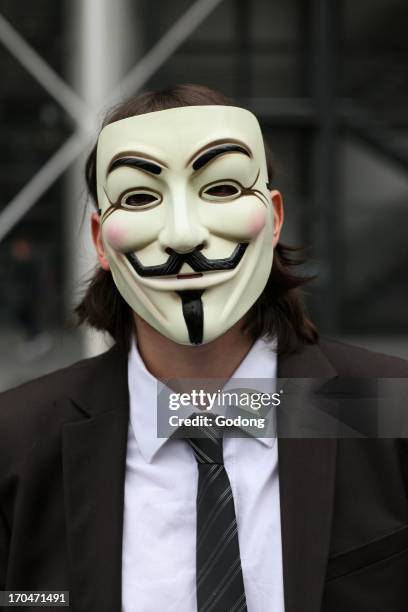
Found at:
(159, 532)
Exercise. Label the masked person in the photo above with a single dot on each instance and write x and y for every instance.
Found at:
(193, 282)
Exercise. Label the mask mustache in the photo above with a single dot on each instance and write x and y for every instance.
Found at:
(195, 259)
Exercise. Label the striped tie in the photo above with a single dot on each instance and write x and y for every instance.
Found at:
(220, 585)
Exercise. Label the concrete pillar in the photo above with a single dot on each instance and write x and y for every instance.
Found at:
(104, 46)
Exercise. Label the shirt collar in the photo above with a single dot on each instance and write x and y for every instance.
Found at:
(260, 362)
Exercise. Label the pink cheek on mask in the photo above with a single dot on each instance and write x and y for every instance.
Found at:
(256, 223)
(115, 235)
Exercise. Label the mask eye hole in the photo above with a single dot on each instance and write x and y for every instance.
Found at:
(221, 191)
(140, 199)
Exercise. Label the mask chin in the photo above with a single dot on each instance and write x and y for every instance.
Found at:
(196, 315)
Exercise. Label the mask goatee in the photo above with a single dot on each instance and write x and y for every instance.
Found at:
(193, 314)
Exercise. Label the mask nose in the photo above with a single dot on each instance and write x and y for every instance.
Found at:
(183, 231)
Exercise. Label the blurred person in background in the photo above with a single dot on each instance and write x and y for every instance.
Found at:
(193, 282)
(29, 287)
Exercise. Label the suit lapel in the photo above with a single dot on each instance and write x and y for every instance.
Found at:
(306, 481)
(94, 462)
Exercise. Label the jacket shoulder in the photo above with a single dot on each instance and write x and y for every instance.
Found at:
(355, 361)
(47, 388)
(34, 411)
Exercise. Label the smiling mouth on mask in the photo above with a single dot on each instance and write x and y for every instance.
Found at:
(195, 259)
(194, 275)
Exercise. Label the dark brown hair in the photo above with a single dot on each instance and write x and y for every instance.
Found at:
(279, 310)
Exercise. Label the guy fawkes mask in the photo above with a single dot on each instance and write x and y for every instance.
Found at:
(186, 217)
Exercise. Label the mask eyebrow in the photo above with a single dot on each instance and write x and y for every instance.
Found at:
(218, 148)
(135, 161)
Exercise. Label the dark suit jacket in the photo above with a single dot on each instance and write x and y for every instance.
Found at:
(63, 437)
